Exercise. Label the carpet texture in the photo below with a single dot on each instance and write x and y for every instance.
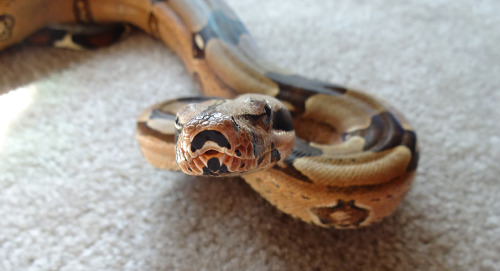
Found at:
(76, 194)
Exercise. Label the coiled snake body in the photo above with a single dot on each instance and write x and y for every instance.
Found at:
(353, 159)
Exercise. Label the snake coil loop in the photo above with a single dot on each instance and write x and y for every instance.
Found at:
(320, 152)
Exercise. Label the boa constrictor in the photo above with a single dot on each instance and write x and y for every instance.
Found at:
(353, 159)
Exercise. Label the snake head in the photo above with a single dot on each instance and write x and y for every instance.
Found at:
(232, 137)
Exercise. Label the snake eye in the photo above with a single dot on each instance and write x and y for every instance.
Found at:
(268, 111)
(178, 126)
(266, 116)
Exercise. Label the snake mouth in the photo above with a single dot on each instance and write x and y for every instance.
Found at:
(217, 162)
(210, 152)
(221, 162)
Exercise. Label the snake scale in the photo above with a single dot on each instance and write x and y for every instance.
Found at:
(320, 152)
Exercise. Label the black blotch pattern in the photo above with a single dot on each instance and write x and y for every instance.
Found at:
(385, 132)
(213, 164)
(209, 135)
(300, 149)
(214, 168)
(275, 156)
(352, 215)
(90, 36)
(102, 36)
(238, 153)
(45, 36)
(268, 111)
(219, 26)
(206, 171)
(282, 120)
(297, 89)
(410, 140)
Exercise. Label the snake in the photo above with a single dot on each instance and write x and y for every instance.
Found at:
(323, 153)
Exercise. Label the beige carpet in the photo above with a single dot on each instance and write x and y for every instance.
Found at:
(76, 194)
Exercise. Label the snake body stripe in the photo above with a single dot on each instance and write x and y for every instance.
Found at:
(353, 169)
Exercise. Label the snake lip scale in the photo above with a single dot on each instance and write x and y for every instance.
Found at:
(233, 163)
(323, 153)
